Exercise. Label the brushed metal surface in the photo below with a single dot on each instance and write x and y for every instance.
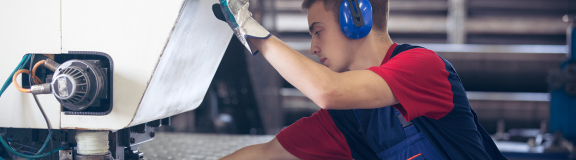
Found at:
(192, 146)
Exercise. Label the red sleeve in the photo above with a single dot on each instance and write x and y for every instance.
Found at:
(419, 80)
(315, 137)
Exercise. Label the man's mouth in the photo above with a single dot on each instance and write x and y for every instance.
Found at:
(322, 60)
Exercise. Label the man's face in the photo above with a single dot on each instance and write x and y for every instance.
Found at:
(328, 42)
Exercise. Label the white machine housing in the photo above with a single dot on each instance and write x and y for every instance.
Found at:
(165, 54)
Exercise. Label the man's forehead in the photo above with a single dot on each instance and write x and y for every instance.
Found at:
(317, 13)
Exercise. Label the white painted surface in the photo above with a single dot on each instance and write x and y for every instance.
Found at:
(27, 26)
(135, 34)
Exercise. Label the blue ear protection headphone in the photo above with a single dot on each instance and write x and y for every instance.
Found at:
(355, 18)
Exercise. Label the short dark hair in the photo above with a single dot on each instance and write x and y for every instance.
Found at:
(379, 11)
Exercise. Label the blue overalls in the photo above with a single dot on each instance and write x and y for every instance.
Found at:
(390, 136)
(382, 133)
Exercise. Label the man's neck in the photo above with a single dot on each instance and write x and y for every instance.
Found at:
(371, 52)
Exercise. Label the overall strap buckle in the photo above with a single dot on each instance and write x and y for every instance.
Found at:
(408, 126)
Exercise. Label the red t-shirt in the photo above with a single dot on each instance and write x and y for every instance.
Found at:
(418, 79)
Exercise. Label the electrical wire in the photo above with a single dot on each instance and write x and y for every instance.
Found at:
(37, 155)
(14, 77)
(34, 78)
(24, 60)
(45, 143)
(38, 103)
(47, 124)
(27, 156)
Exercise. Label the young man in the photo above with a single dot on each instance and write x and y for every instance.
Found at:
(379, 100)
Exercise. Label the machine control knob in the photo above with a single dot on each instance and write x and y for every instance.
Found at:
(77, 84)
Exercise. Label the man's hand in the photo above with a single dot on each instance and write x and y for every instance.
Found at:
(239, 18)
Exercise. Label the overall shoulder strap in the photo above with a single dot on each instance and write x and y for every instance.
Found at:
(401, 48)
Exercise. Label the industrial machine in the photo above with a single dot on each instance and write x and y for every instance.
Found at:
(93, 80)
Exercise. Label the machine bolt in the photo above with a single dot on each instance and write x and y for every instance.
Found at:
(152, 134)
(132, 140)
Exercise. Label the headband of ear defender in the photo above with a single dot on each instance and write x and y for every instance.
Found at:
(355, 18)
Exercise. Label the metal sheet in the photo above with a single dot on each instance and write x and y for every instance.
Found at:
(197, 146)
(187, 65)
(29, 26)
(159, 69)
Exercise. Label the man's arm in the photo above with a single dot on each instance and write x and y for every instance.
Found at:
(328, 89)
(269, 150)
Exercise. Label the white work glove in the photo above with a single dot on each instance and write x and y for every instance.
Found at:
(239, 18)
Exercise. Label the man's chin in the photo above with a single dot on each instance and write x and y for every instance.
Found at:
(339, 70)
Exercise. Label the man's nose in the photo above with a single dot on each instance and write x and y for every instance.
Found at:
(314, 50)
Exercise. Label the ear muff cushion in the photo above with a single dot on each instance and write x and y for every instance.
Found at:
(347, 21)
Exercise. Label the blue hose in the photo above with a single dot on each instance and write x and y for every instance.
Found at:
(45, 143)
(24, 60)
(26, 156)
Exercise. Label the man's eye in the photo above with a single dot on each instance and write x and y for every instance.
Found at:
(317, 33)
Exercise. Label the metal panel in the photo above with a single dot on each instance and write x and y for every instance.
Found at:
(29, 26)
(187, 65)
(133, 33)
(197, 146)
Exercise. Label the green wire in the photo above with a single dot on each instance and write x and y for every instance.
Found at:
(45, 143)
(26, 156)
(25, 60)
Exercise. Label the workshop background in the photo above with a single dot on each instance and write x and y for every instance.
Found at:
(503, 50)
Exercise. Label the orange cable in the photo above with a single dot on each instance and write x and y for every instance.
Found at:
(34, 78)
(16, 83)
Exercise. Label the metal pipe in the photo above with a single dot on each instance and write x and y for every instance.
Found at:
(51, 64)
(41, 89)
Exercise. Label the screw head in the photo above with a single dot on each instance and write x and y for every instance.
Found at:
(132, 140)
